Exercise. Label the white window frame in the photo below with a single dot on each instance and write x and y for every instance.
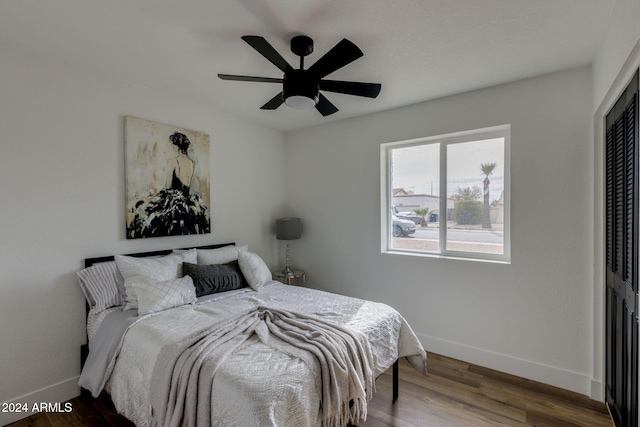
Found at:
(386, 193)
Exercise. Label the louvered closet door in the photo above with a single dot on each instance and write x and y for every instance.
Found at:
(622, 197)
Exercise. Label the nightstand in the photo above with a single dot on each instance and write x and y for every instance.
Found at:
(288, 278)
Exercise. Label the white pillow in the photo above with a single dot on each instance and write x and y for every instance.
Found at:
(254, 269)
(219, 255)
(150, 270)
(153, 297)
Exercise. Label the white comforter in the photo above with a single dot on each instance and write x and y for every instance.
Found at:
(257, 386)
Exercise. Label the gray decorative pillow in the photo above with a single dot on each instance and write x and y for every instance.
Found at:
(213, 278)
(102, 285)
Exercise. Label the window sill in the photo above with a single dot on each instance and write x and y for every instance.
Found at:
(459, 257)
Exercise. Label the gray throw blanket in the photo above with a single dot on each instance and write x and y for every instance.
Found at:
(182, 379)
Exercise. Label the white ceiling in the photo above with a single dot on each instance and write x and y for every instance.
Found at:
(417, 49)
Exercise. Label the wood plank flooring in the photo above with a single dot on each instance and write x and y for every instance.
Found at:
(453, 393)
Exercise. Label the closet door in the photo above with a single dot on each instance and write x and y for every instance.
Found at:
(621, 228)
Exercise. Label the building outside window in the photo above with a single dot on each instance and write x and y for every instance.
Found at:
(447, 195)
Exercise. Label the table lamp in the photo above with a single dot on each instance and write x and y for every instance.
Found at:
(288, 229)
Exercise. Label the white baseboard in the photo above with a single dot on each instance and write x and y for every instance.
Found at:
(597, 391)
(55, 393)
(546, 374)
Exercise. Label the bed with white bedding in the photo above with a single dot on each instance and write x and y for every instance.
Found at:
(260, 382)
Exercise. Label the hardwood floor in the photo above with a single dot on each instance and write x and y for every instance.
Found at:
(453, 393)
(456, 393)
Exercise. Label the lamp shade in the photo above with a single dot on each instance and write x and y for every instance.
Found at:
(288, 228)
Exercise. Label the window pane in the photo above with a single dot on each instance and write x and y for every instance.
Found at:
(475, 184)
(415, 186)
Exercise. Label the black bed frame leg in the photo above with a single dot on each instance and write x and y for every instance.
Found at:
(395, 381)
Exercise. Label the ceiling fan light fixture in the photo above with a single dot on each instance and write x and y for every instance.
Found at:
(298, 91)
(301, 102)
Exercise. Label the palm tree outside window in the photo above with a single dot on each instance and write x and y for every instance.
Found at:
(487, 170)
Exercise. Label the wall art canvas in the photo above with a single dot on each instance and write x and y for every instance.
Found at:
(167, 180)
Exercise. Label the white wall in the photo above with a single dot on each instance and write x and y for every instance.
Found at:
(533, 317)
(622, 36)
(62, 199)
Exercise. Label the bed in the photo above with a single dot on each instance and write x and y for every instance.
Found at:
(177, 355)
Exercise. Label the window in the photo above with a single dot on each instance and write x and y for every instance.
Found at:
(447, 195)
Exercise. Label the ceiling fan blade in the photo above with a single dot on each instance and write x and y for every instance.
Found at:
(370, 90)
(273, 103)
(340, 55)
(265, 49)
(249, 78)
(324, 106)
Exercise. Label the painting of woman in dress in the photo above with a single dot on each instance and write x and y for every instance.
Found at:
(167, 180)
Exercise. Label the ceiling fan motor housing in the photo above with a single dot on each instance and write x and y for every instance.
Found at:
(302, 45)
(299, 89)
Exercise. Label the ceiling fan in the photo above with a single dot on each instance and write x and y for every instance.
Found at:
(301, 88)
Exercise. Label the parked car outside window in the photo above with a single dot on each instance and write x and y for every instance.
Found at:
(402, 227)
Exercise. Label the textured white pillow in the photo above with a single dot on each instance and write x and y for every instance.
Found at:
(153, 297)
(150, 270)
(219, 255)
(254, 269)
